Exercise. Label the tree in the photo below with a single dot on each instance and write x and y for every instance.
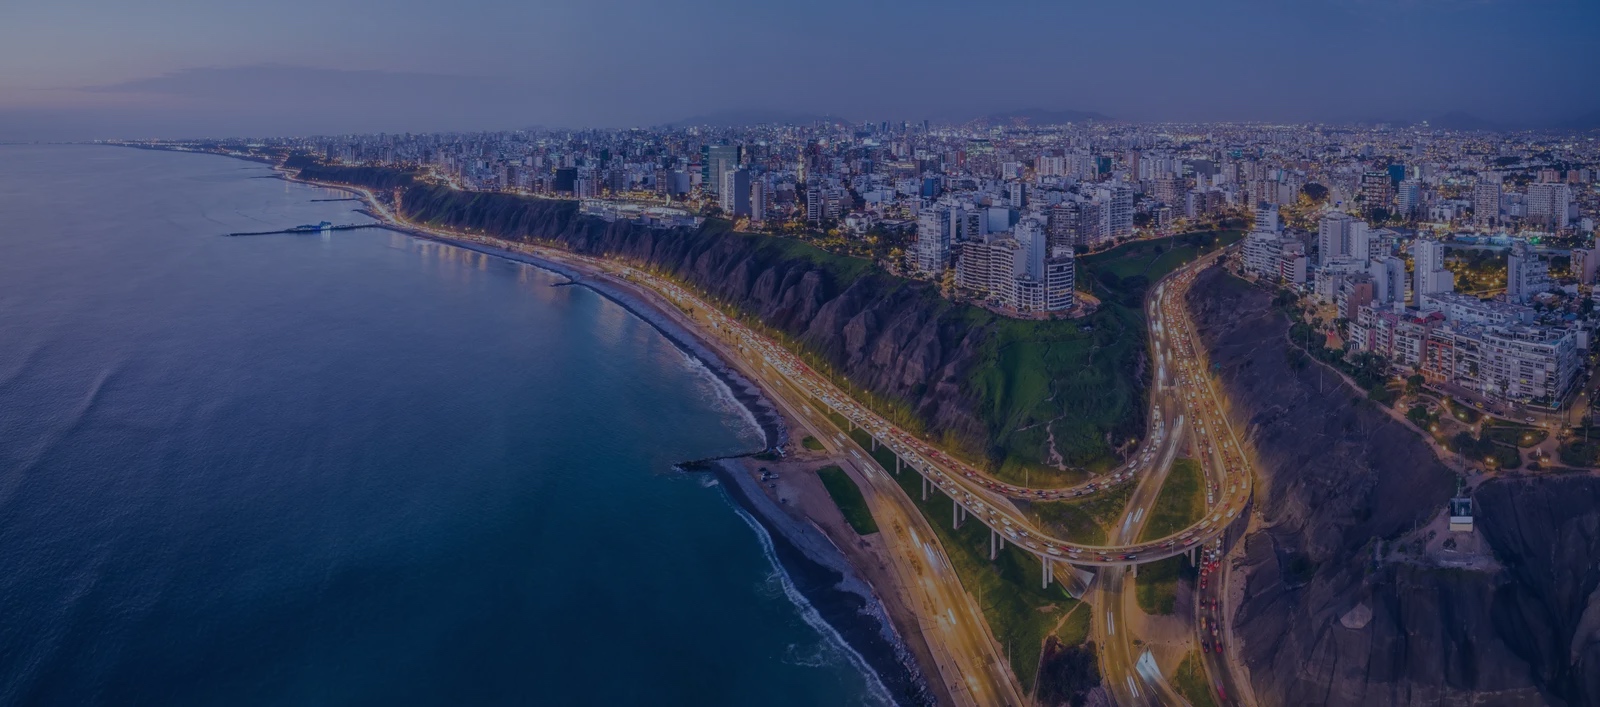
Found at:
(1418, 415)
(1414, 383)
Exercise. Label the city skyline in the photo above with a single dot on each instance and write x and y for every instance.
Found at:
(77, 71)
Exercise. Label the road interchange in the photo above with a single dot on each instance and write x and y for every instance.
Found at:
(979, 495)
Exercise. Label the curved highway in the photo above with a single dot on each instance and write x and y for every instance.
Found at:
(1189, 392)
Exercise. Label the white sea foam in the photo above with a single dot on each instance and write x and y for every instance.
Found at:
(809, 614)
(722, 397)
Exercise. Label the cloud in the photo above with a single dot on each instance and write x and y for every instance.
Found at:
(282, 99)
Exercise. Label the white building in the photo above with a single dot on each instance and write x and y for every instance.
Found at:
(931, 252)
(1275, 257)
(1429, 276)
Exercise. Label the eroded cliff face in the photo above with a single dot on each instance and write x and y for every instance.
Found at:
(1546, 535)
(1324, 620)
(893, 337)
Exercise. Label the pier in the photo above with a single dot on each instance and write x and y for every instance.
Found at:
(307, 229)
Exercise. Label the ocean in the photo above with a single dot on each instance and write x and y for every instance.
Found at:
(354, 468)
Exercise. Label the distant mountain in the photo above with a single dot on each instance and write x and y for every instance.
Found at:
(742, 118)
(1584, 122)
(1040, 116)
(1467, 122)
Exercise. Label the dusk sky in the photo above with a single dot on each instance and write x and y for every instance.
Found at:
(76, 69)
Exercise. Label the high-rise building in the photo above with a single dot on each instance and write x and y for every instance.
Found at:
(1062, 225)
(1486, 203)
(1092, 223)
(1377, 191)
(1526, 274)
(1030, 234)
(1408, 198)
(1333, 236)
(1585, 261)
(1389, 280)
(1170, 191)
(1428, 272)
(1359, 239)
(758, 200)
(1060, 272)
(991, 267)
(716, 161)
(1267, 217)
(1118, 210)
(931, 252)
(1547, 204)
(735, 193)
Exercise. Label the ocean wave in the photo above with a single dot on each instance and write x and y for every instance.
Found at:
(810, 615)
(817, 655)
(722, 397)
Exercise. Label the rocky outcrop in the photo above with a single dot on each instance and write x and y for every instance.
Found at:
(1546, 536)
(1327, 617)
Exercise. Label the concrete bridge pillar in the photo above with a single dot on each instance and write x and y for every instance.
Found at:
(924, 488)
(1133, 571)
(896, 465)
(1046, 581)
(955, 514)
(874, 443)
(993, 551)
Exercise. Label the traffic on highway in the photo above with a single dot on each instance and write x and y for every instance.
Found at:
(987, 498)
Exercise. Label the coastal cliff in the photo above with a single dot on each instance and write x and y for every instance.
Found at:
(1336, 608)
(1047, 396)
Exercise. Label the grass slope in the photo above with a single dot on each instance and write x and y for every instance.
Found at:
(1190, 682)
(1156, 587)
(848, 497)
(1181, 503)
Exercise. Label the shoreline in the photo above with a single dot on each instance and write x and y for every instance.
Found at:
(832, 587)
(826, 580)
